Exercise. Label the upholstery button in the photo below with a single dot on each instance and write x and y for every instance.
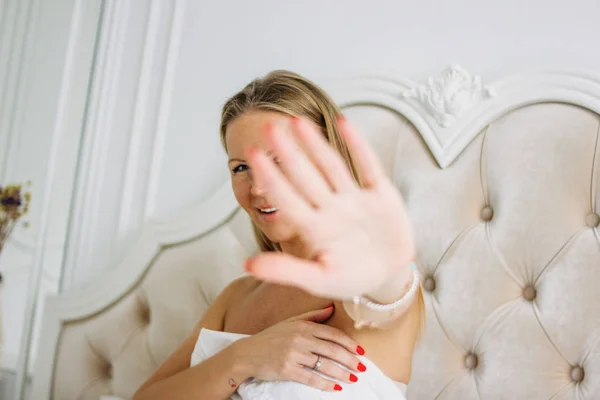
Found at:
(577, 373)
(487, 213)
(143, 310)
(145, 315)
(429, 284)
(592, 220)
(471, 361)
(529, 293)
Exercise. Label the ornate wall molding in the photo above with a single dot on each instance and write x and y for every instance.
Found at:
(17, 28)
(122, 151)
(54, 91)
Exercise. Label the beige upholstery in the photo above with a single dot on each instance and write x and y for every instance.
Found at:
(508, 243)
(509, 246)
(116, 351)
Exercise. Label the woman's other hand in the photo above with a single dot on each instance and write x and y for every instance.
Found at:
(281, 352)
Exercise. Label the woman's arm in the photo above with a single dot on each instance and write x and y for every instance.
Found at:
(175, 379)
(278, 353)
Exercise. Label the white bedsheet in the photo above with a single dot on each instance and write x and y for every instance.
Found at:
(372, 384)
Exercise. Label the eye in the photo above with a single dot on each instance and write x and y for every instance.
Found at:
(239, 168)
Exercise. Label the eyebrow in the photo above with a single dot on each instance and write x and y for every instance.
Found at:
(269, 153)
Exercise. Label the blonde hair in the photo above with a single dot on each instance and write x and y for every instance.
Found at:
(291, 94)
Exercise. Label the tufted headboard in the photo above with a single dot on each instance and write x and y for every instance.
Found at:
(502, 182)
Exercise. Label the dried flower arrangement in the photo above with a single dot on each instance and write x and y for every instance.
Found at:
(14, 204)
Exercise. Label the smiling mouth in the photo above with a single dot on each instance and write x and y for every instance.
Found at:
(269, 210)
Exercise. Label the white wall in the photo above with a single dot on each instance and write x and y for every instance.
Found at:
(164, 68)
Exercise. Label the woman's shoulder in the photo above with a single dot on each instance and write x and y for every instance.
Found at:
(237, 290)
(214, 317)
(241, 286)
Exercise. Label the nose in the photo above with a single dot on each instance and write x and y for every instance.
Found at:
(256, 188)
(256, 191)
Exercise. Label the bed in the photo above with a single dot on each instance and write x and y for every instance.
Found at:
(502, 181)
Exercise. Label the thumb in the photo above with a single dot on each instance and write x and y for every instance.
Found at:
(315, 315)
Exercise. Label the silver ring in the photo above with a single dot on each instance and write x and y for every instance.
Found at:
(318, 363)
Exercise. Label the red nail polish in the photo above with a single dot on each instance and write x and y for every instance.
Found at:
(353, 378)
(328, 307)
(361, 367)
(337, 387)
(360, 350)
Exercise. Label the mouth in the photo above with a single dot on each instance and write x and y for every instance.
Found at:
(267, 210)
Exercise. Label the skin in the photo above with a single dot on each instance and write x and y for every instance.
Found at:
(285, 314)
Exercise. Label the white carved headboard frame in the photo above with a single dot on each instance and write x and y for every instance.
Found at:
(449, 112)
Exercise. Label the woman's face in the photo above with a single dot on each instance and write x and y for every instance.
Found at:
(242, 133)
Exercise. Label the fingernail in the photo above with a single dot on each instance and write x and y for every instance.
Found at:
(353, 378)
(360, 350)
(361, 367)
(337, 387)
(328, 307)
(248, 264)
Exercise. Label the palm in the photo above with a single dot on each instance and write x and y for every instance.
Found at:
(359, 237)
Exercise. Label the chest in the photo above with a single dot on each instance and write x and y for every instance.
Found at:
(265, 305)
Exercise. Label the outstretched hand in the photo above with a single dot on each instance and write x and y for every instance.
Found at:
(359, 238)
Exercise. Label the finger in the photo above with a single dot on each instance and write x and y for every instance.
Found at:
(310, 378)
(337, 336)
(291, 205)
(298, 168)
(367, 163)
(328, 368)
(314, 316)
(285, 269)
(324, 157)
(337, 353)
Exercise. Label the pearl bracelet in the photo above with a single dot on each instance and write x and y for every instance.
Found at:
(379, 315)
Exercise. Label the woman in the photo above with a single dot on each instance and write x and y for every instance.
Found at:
(331, 226)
